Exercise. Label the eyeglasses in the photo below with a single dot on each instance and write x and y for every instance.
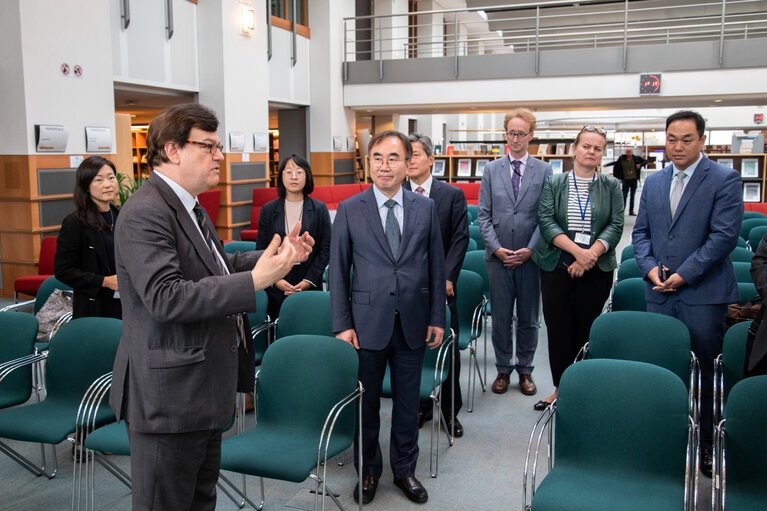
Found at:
(592, 129)
(391, 161)
(516, 134)
(210, 147)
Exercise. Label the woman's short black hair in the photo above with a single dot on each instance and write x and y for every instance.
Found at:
(301, 162)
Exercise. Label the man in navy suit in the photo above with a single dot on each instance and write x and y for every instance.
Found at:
(454, 226)
(508, 219)
(392, 306)
(689, 221)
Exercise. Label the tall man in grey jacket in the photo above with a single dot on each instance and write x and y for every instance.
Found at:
(508, 219)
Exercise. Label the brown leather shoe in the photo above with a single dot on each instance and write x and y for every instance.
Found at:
(526, 385)
(501, 383)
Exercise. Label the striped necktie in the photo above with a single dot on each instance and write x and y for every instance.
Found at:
(208, 235)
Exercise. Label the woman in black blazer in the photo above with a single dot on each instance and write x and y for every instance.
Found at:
(294, 184)
(85, 250)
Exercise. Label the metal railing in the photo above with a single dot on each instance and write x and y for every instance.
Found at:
(549, 25)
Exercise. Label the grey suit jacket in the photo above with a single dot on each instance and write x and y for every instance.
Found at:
(417, 273)
(176, 368)
(506, 221)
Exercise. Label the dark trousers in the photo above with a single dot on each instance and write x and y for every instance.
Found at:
(448, 391)
(174, 471)
(570, 306)
(629, 188)
(405, 365)
(706, 324)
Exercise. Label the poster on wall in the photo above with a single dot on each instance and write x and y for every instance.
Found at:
(98, 139)
(464, 167)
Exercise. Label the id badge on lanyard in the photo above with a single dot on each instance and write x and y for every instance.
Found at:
(581, 238)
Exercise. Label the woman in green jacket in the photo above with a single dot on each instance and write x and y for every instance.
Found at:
(580, 214)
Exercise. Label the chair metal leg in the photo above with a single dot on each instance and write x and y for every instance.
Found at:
(26, 463)
(224, 482)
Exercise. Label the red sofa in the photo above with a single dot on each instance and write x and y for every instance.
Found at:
(470, 191)
(761, 207)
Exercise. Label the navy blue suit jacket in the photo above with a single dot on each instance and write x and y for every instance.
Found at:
(696, 244)
(366, 304)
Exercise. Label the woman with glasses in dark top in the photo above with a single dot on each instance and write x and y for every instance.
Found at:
(85, 249)
(294, 184)
(580, 214)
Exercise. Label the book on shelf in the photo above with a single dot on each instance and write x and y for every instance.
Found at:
(450, 149)
(561, 148)
(543, 149)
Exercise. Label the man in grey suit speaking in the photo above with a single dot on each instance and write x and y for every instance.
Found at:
(508, 219)
(185, 348)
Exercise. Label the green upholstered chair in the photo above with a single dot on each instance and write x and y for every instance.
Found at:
(17, 344)
(740, 446)
(755, 236)
(628, 295)
(619, 442)
(742, 272)
(747, 225)
(81, 352)
(260, 326)
(239, 246)
(433, 374)
(741, 254)
(472, 211)
(472, 245)
(476, 235)
(742, 243)
(729, 365)
(307, 312)
(475, 261)
(629, 269)
(470, 303)
(747, 215)
(747, 292)
(298, 427)
(627, 253)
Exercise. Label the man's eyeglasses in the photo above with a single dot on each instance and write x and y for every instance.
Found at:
(592, 129)
(378, 161)
(210, 147)
(516, 134)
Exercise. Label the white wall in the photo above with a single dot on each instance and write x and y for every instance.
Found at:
(13, 135)
(287, 83)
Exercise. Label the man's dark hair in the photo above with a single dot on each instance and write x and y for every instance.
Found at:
(301, 162)
(684, 115)
(173, 124)
(396, 134)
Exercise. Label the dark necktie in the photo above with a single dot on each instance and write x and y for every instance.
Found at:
(515, 177)
(208, 235)
(420, 190)
(393, 236)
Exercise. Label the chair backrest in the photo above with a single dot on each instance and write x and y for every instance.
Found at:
(260, 197)
(239, 246)
(322, 193)
(472, 245)
(468, 297)
(429, 364)
(256, 319)
(470, 191)
(327, 366)
(343, 192)
(18, 340)
(747, 215)
(210, 200)
(472, 210)
(629, 269)
(305, 313)
(628, 295)
(741, 243)
(627, 253)
(47, 254)
(742, 271)
(476, 235)
(741, 254)
(46, 288)
(474, 260)
(734, 354)
(747, 225)
(643, 337)
(747, 292)
(609, 419)
(80, 351)
(746, 444)
(756, 235)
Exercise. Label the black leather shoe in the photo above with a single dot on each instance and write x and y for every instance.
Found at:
(413, 489)
(369, 487)
(424, 417)
(458, 433)
(706, 462)
(541, 405)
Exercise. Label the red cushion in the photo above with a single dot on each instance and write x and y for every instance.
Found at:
(470, 191)
(249, 234)
(260, 197)
(29, 284)
(341, 192)
(210, 200)
(47, 253)
(323, 193)
(761, 207)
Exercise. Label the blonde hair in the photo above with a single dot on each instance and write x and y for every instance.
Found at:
(524, 114)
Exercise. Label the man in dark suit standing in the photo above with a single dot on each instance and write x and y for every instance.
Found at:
(508, 218)
(392, 308)
(689, 221)
(454, 227)
(185, 348)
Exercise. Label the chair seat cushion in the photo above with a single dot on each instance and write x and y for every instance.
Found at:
(112, 438)
(284, 453)
(29, 284)
(47, 422)
(249, 235)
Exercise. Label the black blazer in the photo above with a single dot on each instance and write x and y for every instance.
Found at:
(315, 219)
(450, 203)
(81, 262)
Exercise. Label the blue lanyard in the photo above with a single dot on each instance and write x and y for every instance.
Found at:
(584, 209)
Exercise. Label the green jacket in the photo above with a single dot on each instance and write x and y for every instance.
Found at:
(606, 204)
